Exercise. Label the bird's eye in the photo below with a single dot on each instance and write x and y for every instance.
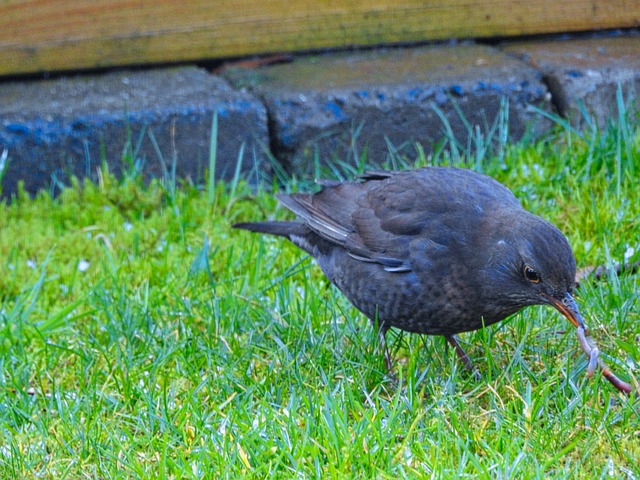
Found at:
(531, 275)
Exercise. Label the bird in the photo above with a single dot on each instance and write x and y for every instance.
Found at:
(437, 250)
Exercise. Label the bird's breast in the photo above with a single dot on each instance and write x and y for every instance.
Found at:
(434, 298)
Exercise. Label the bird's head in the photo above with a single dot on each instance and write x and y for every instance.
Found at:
(530, 262)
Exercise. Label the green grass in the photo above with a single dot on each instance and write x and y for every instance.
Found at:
(143, 338)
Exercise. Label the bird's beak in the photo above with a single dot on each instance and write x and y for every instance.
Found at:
(567, 306)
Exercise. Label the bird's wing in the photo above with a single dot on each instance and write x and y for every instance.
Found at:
(362, 218)
(399, 218)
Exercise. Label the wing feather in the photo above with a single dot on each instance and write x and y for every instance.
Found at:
(388, 216)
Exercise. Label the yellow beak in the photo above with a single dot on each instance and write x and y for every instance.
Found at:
(568, 307)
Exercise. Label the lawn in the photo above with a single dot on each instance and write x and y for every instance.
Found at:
(142, 337)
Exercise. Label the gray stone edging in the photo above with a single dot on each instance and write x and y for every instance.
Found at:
(322, 106)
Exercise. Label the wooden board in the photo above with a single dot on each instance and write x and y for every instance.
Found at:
(41, 35)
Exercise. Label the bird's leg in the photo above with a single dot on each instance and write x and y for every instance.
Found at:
(462, 355)
(382, 333)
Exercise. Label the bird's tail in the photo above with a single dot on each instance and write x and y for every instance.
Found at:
(281, 229)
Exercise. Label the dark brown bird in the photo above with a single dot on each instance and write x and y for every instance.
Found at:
(437, 250)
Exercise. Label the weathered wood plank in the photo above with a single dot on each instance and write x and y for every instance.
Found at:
(48, 35)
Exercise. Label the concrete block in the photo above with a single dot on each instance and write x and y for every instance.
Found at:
(339, 105)
(62, 127)
(586, 71)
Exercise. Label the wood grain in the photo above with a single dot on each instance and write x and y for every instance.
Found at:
(41, 35)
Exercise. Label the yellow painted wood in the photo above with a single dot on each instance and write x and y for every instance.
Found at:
(41, 35)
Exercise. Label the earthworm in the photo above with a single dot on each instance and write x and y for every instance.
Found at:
(584, 337)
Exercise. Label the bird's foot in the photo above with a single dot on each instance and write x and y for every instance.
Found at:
(462, 355)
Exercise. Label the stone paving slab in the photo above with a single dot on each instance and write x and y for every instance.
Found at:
(55, 128)
(337, 106)
(586, 71)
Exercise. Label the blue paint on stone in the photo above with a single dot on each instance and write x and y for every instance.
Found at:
(414, 93)
(336, 110)
(441, 98)
(17, 128)
(456, 90)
